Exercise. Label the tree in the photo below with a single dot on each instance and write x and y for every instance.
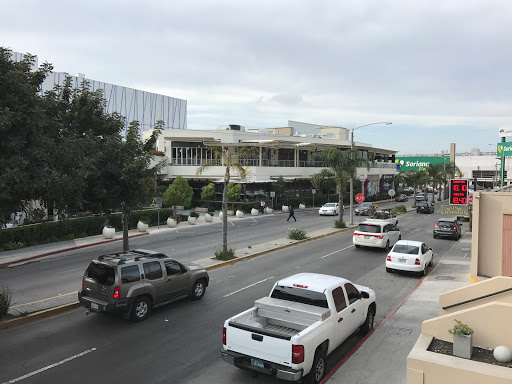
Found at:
(279, 186)
(416, 178)
(436, 174)
(178, 193)
(324, 181)
(343, 164)
(208, 193)
(231, 163)
(450, 170)
(21, 116)
(234, 192)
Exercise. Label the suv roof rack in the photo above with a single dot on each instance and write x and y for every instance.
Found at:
(135, 255)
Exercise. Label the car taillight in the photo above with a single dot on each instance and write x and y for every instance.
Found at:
(436, 226)
(454, 226)
(297, 354)
(224, 336)
(83, 280)
(380, 237)
(117, 292)
(417, 262)
(388, 258)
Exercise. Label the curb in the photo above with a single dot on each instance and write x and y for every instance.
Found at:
(66, 307)
(5, 265)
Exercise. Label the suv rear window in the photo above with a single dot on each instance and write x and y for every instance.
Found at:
(102, 274)
(368, 228)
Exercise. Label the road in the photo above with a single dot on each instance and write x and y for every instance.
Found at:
(180, 343)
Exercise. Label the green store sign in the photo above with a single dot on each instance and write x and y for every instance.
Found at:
(418, 163)
(504, 149)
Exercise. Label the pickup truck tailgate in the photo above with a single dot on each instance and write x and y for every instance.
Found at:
(263, 344)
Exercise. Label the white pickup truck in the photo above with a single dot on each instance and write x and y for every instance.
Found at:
(289, 333)
(384, 215)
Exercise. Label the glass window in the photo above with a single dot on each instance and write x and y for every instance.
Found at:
(130, 274)
(102, 274)
(352, 293)
(300, 295)
(153, 270)
(339, 299)
(406, 249)
(172, 267)
(368, 228)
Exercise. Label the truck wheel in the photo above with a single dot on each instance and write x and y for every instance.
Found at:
(368, 323)
(198, 290)
(317, 372)
(141, 309)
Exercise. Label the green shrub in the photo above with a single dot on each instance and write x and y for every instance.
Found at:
(194, 214)
(224, 256)
(399, 209)
(5, 301)
(339, 224)
(297, 234)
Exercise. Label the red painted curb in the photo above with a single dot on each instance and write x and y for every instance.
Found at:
(4, 265)
(361, 342)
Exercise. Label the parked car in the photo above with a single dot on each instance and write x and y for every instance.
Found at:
(384, 215)
(448, 227)
(424, 207)
(402, 197)
(409, 256)
(134, 282)
(329, 209)
(420, 196)
(290, 333)
(379, 234)
(365, 209)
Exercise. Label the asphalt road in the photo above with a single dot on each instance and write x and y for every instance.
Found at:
(180, 343)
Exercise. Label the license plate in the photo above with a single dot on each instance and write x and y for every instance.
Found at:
(367, 237)
(402, 260)
(94, 306)
(257, 363)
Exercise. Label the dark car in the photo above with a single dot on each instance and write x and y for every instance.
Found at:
(448, 227)
(402, 197)
(424, 207)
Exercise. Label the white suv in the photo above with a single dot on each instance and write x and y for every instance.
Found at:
(377, 234)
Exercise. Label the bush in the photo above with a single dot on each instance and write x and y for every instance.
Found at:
(224, 256)
(5, 301)
(194, 214)
(297, 234)
(399, 209)
(339, 224)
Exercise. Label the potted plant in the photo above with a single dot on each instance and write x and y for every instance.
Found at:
(208, 218)
(302, 206)
(254, 212)
(142, 226)
(109, 232)
(462, 340)
(171, 222)
(239, 213)
(192, 218)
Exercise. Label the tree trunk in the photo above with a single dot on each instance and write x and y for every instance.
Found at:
(225, 217)
(126, 215)
(340, 207)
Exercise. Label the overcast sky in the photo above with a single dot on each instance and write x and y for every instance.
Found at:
(440, 71)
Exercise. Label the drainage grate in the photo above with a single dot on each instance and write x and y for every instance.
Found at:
(445, 278)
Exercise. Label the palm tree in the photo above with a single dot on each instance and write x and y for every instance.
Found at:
(449, 172)
(436, 173)
(323, 180)
(416, 178)
(344, 165)
(231, 162)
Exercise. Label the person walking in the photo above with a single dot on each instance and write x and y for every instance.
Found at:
(262, 207)
(291, 214)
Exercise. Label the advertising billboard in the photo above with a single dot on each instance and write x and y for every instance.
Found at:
(418, 163)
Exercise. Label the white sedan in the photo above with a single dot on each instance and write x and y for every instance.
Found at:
(409, 256)
(329, 209)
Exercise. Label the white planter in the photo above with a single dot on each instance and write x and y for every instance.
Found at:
(463, 346)
(302, 206)
(191, 220)
(284, 208)
(208, 218)
(142, 227)
(254, 212)
(109, 232)
(221, 215)
(269, 210)
(171, 223)
(239, 213)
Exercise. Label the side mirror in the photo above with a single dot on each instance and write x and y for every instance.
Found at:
(365, 295)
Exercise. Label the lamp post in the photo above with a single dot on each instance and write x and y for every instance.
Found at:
(351, 181)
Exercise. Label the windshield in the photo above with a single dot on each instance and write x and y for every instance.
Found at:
(364, 205)
(382, 215)
(368, 228)
(406, 249)
(422, 204)
(329, 205)
(300, 295)
(446, 224)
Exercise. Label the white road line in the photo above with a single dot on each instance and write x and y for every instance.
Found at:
(339, 250)
(249, 286)
(49, 367)
(254, 220)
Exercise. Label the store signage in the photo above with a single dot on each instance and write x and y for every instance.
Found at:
(458, 192)
(505, 132)
(419, 163)
(454, 210)
(504, 149)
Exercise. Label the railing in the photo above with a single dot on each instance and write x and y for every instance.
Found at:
(478, 298)
(194, 162)
(382, 165)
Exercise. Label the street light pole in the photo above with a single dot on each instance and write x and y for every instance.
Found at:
(351, 181)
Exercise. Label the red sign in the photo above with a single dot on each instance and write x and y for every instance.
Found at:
(458, 192)
(359, 197)
(470, 199)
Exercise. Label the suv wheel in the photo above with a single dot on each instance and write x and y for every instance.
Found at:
(198, 290)
(141, 308)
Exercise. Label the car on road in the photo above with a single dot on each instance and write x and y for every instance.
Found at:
(420, 196)
(448, 227)
(424, 207)
(365, 209)
(384, 215)
(377, 234)
(409, 256)
(402, 198)
(134, 282)
(329, 209)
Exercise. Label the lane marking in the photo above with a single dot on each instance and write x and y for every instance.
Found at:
(49, 367)
(249, 286)
(49, 298)
(339, 250)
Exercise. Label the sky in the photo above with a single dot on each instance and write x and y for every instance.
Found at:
(439, 70)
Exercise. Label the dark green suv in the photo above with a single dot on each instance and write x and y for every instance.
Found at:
(134, 282)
